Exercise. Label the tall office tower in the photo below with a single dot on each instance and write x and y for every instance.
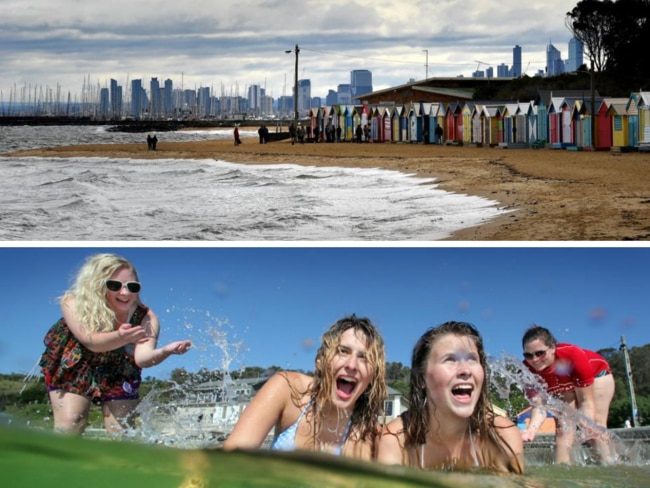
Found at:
(116, 100)
(344, 94)
(189, 100)
(155, 108)
(575, 55)
(516, 61)
(267, 104)
(137, 99)
(285, 105)
(255, 99)
(168, 98)
(104, 103)
(489, 72)
(304, 96)
(203, 109)
(332, 98)
(554, 63)
(503, 71)
(360, 83)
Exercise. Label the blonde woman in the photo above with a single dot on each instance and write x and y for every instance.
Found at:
(96, 351)
(449, 424)
(336, 410)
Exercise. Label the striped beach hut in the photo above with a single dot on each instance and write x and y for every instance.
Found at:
(414, 127)
(581, 124)
(532, 122)
(477, 121)
(643, 107)
(467, 114)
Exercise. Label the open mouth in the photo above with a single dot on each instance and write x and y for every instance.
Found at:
(462, 393)
(345, 387)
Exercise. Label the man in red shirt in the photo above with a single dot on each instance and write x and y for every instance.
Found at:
(579, 377)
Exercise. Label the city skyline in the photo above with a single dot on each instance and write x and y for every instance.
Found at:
(245, 44)
(205, 102)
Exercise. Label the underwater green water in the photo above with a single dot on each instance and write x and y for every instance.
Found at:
(30, 458)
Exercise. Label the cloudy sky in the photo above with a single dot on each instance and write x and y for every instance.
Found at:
(231, 45)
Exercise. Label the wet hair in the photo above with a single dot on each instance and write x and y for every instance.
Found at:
(370, 405)
(536, 332)
(89, 291)
(416, 419)
(417, 425)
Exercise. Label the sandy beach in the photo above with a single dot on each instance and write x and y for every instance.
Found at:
(554, 195)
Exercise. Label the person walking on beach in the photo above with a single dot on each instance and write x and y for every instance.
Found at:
(95, 353)
(336, 410)
(579, 377)
(292, 133)
(236, 135)
(449, 424)
(438, 133)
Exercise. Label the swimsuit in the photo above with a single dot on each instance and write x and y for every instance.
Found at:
(286, 440)
(101, 376)
(573, 367)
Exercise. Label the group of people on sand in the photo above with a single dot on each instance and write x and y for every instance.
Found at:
(106, 336)
(152, 141)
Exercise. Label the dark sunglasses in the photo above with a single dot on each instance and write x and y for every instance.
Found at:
(116, 285)
(537, 354)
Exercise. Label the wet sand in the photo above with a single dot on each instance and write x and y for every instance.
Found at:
(554, 195)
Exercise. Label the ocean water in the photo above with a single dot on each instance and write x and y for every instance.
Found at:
(106, 199)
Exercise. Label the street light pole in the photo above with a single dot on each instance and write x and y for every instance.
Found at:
(426, 64)
(295, 88)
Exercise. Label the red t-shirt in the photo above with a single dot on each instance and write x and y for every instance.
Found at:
(573, 367)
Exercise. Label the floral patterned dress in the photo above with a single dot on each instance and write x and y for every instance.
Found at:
(69, 366)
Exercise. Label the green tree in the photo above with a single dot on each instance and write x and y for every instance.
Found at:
(591, 21)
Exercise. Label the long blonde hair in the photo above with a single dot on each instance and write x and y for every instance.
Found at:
(370, 405)
(89, 291)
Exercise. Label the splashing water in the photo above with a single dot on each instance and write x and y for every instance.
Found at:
(508, 374)
(200, 412)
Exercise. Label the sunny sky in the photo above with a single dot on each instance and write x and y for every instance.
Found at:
(59, 43)
(269, 305)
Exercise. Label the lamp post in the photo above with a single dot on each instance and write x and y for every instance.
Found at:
(295, 88)
(426, 64)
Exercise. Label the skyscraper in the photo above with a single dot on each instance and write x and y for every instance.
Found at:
(360, 83)
(156, 99)
(575, 55)
(255, 99)
(554, 63)
(137, 98)
(516, 61)
(304, 96)
(168, 99)
(116, 100)
(344, 92)
(103, 103)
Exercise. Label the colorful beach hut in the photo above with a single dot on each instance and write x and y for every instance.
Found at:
(617, 112)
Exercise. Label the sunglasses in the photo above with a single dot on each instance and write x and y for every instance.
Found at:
(536, 354)
(116, 285)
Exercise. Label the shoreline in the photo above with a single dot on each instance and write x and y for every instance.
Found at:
(553, 195)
